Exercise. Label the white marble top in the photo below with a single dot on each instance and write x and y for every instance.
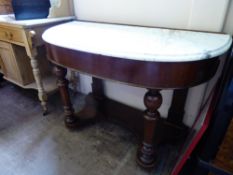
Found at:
(10, 21)
(138, 43)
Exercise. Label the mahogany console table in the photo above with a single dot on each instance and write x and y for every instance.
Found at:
(151, 58)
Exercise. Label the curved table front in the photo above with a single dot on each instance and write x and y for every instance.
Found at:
(152, 58)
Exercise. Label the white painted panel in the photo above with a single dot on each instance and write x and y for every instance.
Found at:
(228, 27)
(85, 83)
(193, 103)
(208, 15)
(198, 96)
(163, 13)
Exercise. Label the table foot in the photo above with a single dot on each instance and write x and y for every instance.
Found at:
(146, 153)
(71, 121)
(146, 156)
(86, 117)
(45, 113)
(43, 101)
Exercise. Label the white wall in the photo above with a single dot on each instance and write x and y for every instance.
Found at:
(187, 14)
(206, 15)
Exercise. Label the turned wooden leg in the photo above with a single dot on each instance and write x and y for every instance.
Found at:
(146, 152)
(32, 53)
(41, 92)
(70, 119)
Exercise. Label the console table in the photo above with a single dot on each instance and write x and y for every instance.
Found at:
(151, 58)
(22, 58)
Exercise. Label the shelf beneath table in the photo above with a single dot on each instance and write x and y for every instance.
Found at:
(49, 83)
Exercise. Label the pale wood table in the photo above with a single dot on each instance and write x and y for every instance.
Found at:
(20, 40)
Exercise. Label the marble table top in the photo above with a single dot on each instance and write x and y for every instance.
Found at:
(138, 43)
(9, 20)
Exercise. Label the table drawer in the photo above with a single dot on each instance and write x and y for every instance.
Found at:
(11, 35)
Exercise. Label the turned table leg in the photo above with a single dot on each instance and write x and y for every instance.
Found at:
(70, 119)
(32, 53)
(146, 152)
(41, 92)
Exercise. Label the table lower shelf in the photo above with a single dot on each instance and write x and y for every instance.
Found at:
(49, 83)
